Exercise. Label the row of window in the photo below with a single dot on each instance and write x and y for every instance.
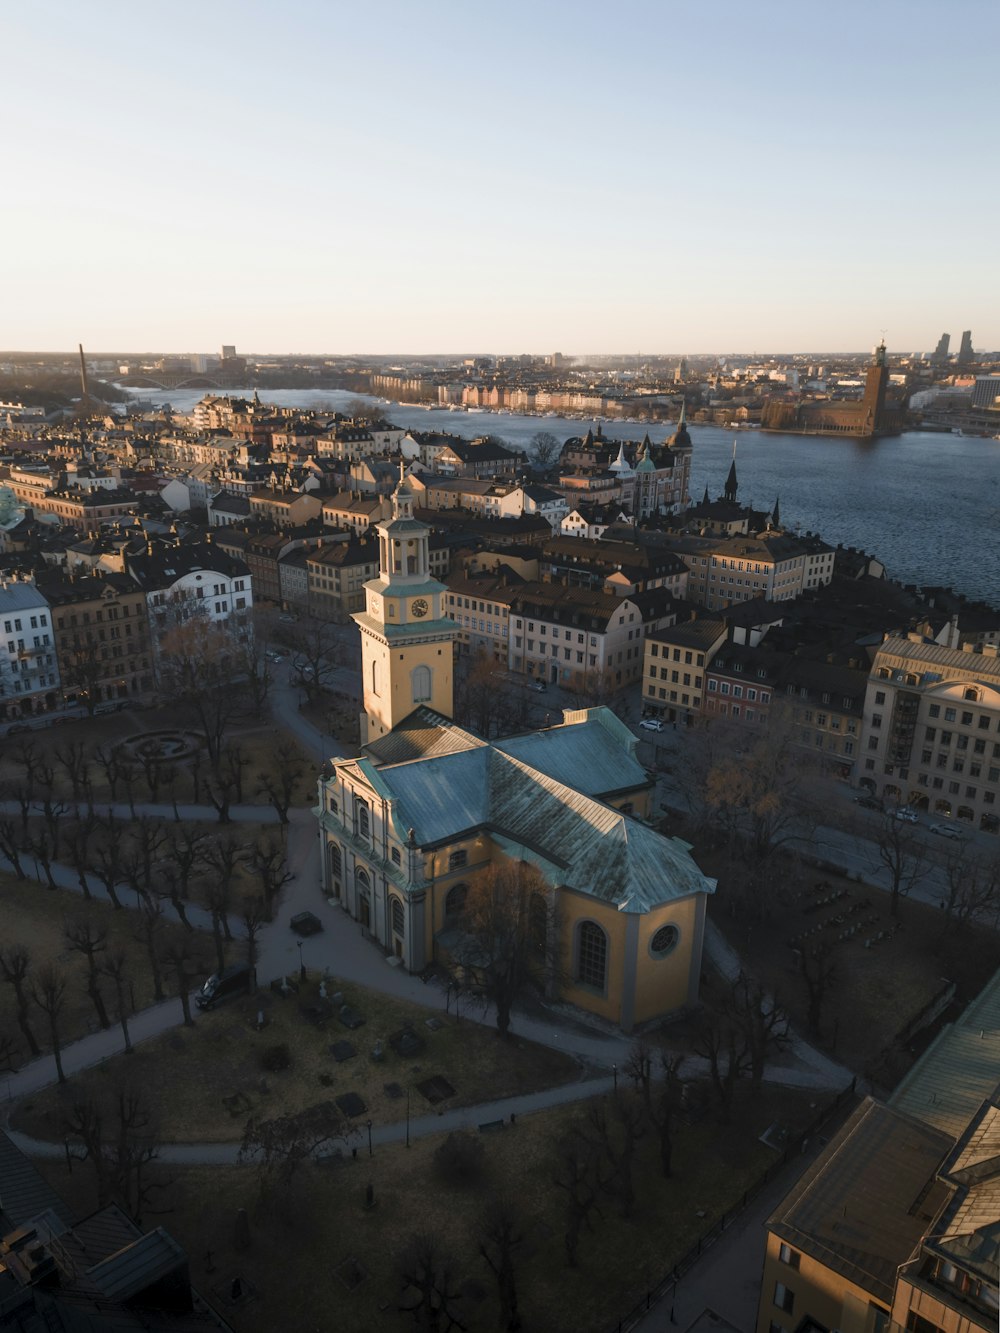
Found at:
(14, 626)
(725, 687)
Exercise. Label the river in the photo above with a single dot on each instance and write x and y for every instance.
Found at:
(927, 505)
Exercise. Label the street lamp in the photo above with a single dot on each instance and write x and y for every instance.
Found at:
(614, 1075)
(302, 966)
(369, 1124)
(407, 1117)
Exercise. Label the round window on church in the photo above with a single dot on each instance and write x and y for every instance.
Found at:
(664, 941)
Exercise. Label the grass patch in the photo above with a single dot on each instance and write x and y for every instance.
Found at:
(35, 917)
(206, 1081)
(876, 991)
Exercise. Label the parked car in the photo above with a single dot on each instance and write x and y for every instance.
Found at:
(539, 686)
(651, 724)
(233, 980)
(306, 923)
(947, 831)
(868, 802)
(906, 815)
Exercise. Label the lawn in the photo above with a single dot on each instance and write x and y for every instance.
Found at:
(303, 1242)
(35, 917)
(191, 1072)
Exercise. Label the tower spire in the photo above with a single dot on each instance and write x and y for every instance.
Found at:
(732, 485)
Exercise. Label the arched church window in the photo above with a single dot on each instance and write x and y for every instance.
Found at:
(592, 955)
(421, 684)
(364, 822)
(398, 917)
(454, 903)
(374, 678)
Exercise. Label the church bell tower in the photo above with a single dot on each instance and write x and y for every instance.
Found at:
(406, 639)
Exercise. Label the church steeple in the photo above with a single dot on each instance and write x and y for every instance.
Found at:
(406, 635)
(732, 485)
(776, 513)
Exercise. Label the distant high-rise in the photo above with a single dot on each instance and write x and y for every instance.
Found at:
(941, 351)
(965, 353)
(228, 352)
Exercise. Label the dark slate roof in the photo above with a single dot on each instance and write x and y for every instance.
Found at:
(163, 564)
(23, 1192)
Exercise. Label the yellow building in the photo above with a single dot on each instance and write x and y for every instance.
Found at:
(408, 827)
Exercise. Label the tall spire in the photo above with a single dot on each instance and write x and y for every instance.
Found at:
(732, 485)
(776, 513)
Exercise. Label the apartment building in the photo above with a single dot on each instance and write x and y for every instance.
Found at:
(336, 575)
(931, 731)
(101, 633)
(480, 605)
(29, 671)
(674, 668)
(572, 636)
(727, 570)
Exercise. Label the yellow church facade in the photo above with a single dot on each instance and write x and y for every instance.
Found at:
(409, 826)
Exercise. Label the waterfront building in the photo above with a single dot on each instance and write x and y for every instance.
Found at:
(410, 828)
(872, 415)
(931, 735)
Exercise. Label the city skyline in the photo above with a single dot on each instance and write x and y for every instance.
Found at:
(307, 180)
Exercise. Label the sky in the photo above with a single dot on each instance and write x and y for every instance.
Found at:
(448, 176)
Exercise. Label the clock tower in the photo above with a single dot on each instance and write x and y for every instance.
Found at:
(406, 639)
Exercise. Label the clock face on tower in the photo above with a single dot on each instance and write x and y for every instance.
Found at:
(418, 607)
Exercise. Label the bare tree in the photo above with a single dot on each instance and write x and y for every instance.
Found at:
(116, 967)
(178, 955)
(430, 1290)
(574, 1171)
(254, 919)
(903, 855)
(148, 931)
(315, 654)
(12, 846)
(507, 926)
(78, 843)
(224, 858)
(280, 779)
(268, 863)
(613, 1127)
(186, 853)
(199, 672)
(75, 763)
(48, 990)
(544, 448)
(15, 967)
(123, 1157)
(87, 937)
(501, 1231)
(106, 862)
(109, 758)
(278, 1147)
(972, 885)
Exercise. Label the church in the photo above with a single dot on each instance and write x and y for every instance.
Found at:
(428, 806)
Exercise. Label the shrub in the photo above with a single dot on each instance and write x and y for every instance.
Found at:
(275, 1058)
(460, 1159)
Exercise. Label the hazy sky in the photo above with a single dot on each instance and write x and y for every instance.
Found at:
(572, 176)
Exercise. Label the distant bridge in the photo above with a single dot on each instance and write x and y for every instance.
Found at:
(167, 379)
